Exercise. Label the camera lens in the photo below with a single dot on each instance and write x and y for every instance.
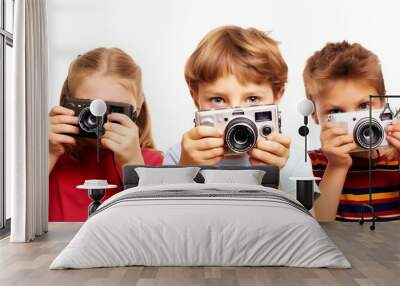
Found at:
(87, 121)
(240, 134)
(366, 135)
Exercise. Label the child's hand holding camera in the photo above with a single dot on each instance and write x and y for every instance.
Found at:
(393, 134)
(336, 144)
(202, 145)
(122, 137)
(274, 150)
(61, 123)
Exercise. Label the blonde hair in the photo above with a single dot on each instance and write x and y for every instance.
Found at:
(111, 62)
(249, 54)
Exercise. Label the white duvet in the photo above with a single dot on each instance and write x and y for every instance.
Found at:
(201, 224)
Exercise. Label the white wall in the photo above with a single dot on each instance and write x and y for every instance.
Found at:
(160, 35)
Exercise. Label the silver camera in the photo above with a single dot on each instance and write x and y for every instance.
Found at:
(358, 124)
(241, 125)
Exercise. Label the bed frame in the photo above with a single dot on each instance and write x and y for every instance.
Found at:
(270, 179)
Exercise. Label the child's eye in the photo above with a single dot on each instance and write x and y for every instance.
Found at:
(253, 99)
(334, 110)
(364, 105)
(217, 100)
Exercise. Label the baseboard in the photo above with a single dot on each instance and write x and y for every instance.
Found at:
(5, 231)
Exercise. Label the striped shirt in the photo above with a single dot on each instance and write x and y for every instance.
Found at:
(385, 185)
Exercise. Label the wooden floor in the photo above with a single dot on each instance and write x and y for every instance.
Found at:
(375, 257)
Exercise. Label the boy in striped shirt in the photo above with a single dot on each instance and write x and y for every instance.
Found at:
(340, 78)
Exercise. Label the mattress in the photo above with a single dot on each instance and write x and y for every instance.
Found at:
(201, 225)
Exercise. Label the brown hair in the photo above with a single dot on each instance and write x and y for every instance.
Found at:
(111, 62)
(338, 61)
(249, 54)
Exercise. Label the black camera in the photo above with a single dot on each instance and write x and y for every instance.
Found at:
(87, 122)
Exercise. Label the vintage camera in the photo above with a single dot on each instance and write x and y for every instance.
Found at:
(87, 121)
(241, 125)
(358, 124)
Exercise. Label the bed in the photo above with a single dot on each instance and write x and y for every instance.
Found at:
(201, 223)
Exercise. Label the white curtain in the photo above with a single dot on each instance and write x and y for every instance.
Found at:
(26, 123)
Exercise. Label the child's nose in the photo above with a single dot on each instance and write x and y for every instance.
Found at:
(236, 104)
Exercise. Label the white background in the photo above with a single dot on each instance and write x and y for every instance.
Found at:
(160, 35)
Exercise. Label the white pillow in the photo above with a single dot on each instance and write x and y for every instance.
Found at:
(163, 176)
(248, 177)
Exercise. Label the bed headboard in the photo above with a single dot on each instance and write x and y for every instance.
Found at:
(270, 179)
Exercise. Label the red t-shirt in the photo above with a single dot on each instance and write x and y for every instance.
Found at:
(66, 202)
